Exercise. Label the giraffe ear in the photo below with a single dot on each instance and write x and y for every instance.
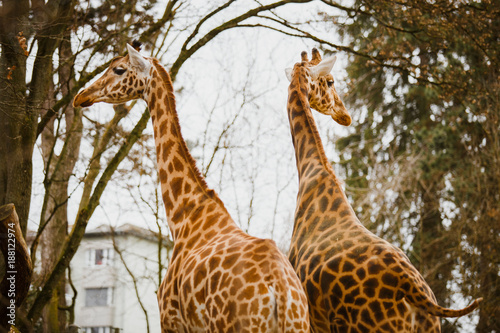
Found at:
(137, 60)
(288, 73)
(323, 68)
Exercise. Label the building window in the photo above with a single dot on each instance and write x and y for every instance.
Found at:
(98, 297)
(100, 330)
(99, 257)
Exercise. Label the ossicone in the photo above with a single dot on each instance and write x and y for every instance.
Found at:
(136, 45)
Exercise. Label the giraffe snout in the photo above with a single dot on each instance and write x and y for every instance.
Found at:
(340, 114)
(81, 100)
(343, 119)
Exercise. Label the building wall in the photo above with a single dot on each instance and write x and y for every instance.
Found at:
(123, 311)
(141, 257)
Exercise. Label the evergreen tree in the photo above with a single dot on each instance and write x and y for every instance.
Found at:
(422, 163)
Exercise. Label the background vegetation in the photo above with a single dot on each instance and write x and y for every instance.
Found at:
(423, 160)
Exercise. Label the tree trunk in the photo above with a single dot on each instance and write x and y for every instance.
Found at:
(489, 311)
(58, 171)
(16, 270)
(73, 240)
(17, 125)
(487, 229)
(434, 244)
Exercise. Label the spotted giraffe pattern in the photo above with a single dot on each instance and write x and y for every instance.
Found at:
(354, 280)
(219, 278)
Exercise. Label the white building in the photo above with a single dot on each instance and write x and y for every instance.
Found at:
(116, 275)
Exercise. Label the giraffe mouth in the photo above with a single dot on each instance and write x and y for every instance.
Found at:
(343, 119)
(86, 103)
(81, 101)
(341, 116)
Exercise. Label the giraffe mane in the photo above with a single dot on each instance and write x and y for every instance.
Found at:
(183, 147)
(314, 130)
(319, 145)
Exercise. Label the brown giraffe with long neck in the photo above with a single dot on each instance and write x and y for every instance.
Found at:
(219, 278)
(354, 281)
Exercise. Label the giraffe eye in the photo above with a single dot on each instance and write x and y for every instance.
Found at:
(329, 83)
(119, 70)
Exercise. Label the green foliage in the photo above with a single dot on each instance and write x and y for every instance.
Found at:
(425, 89)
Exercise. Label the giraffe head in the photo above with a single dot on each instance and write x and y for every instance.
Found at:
(124, 80)
(321, 91)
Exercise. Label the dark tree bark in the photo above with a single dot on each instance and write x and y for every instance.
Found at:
(58, 170)
(17, 123)
(16, 268)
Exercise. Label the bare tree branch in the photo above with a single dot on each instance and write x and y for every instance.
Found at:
(71, 245)
(186, 52)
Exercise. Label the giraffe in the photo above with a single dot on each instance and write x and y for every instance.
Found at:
(354, 280)
(219, 279)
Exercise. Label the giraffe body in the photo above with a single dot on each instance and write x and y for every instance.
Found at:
(219, 279)
(354, 280)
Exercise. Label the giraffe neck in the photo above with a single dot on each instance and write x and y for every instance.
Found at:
(320, 195)
(185, 193)
(309, 152)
